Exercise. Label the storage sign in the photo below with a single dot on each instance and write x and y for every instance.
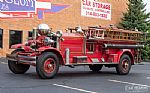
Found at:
(96, 9)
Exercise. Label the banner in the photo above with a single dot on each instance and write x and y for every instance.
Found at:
(28, 8)
(95, 9)
(17, 5)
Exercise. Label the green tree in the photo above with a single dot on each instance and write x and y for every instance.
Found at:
(146, 50)
(136, 17)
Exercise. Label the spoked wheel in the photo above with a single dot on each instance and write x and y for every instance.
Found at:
(47, 65)
(16, 67)
(124, 65)
(95, 68)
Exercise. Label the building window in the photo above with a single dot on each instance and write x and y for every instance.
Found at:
(15, 37)
(30, 34)
(1, 38)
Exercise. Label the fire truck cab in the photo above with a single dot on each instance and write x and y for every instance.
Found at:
(94, 46)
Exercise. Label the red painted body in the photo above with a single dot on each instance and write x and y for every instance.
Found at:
(94, 47)
(82, 49)
(76, 42)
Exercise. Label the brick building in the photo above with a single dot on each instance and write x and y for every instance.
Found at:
(67, 13)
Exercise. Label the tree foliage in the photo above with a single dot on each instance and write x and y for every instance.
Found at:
(146, 50)
(136, 16)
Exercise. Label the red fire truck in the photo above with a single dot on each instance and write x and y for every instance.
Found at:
(94, 46)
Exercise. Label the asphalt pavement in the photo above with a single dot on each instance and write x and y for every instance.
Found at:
(76, 80)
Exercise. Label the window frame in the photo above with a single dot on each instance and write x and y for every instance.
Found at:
(21, 37)
(2, 38)
(29, 34)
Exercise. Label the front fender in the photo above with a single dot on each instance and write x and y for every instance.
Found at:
(54, 50)
(48, 48)
(23, 47)
(16, 46)
(44, 48)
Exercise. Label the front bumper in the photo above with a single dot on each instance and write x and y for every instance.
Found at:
(25, 59)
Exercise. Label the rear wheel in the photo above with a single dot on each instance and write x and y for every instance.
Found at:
(95, 68)
(124, 65)
(16, 67)
(47, 65)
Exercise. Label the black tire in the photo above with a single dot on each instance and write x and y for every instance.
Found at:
(95, 68)
(16, 67)
(124, 65)
(45, 63)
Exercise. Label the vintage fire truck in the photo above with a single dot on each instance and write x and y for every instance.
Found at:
(94, 46)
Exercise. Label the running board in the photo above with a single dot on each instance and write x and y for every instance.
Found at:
(79, 59)
(74, 64)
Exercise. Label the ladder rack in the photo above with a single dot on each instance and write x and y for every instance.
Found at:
(113, 33)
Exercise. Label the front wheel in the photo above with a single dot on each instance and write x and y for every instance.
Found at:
(47, 65)
(124, 65)
(15, 67)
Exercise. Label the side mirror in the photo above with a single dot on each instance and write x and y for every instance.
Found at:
(79, 29)
(59, 33)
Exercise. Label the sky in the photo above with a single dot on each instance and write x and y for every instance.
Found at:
(148, 5)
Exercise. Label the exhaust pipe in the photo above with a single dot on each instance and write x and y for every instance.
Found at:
(122, 46)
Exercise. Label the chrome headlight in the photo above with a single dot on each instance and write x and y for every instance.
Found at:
(59, 33)
(47, 40)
